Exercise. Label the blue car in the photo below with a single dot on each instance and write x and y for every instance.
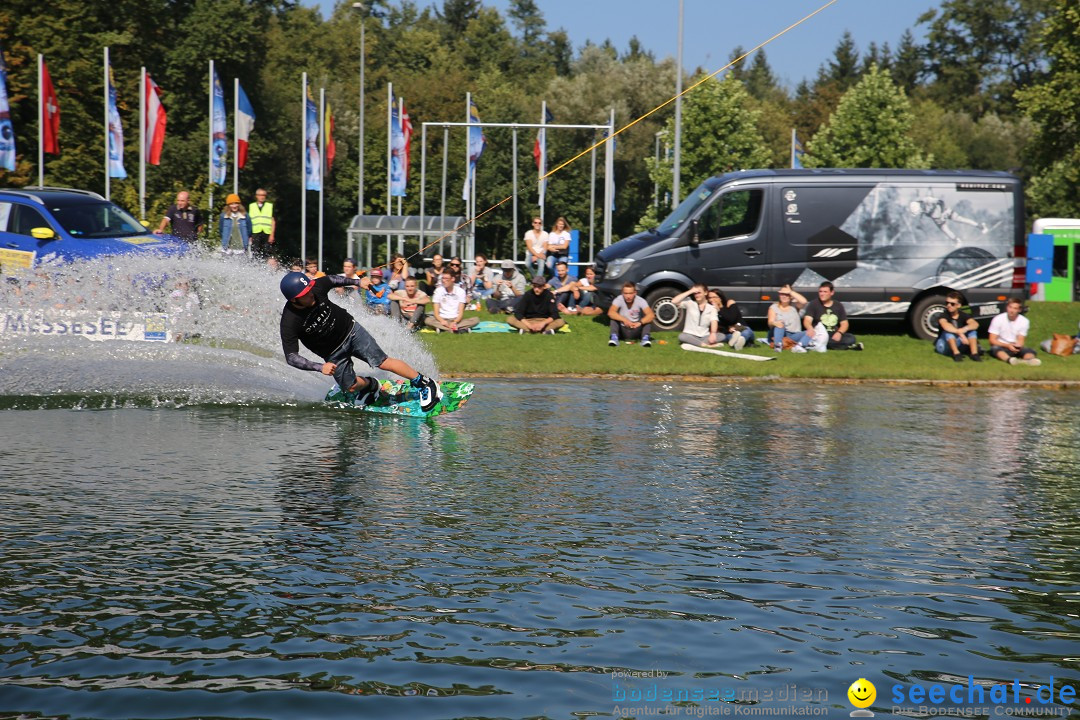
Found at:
(59, 223)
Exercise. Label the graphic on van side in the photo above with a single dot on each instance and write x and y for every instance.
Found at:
(958, 235)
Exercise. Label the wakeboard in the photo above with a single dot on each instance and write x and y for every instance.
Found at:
(725, 353)
(401, 398)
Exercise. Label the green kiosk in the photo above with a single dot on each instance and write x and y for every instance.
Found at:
(1064, 284)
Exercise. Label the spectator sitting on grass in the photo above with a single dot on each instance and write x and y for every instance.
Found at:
(408, 305)
(958, 329)
(586, 284)
(507, 289)
(449, 302)
(398, 271)
(564, 287)
(701, 326)
(377, 294)
(433, 274)
(311, 269)
(535, 311)
(348, 270)
(729, 319)
(631, 317)
(1007, 334)
(784, 320)
(481, 280)
(830, 313)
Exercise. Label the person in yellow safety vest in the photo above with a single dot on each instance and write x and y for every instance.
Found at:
(263, 224)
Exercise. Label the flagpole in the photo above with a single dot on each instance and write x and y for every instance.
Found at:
(142, 144)
(360, 181)
(106, 122)
(303, 170)
(210, 141)
(792, 147)
(322, 165)
(41, 120)
(468, 186)
(445, 165)
(609, 177)
(236, 138)
(543, 156)
(677, 165)
(401, 122)
(389, 143)
(514, 172)
(592, 203)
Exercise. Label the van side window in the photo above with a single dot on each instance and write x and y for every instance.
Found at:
(733, 214)
(24, 219)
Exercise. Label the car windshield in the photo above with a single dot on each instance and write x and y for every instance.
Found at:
(97, 220)
(686, 208)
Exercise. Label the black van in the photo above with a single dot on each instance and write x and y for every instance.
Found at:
(893, 242)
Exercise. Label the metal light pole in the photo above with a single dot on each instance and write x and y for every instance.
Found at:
(677, 167)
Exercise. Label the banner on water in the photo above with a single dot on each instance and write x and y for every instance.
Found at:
(145, 327)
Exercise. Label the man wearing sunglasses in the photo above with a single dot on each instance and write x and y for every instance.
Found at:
(958, 330)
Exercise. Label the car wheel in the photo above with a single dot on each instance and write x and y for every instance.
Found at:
(924, 317)
(669, 316)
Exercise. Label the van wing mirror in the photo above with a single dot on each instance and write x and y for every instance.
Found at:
(695, 239)
(43, 233)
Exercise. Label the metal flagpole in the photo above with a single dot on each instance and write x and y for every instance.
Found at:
(236, 138)
(41, 120)
(303, 169)
(423, 180)
(543, 157)
(106, 122)
(389, 142)
(142, 144)
(401, 122)
(592, 204)
(322, 165)
(468, 179)
(210, 142)
(609, 177)
(677, 167)
(514, 227)
(363, 61)
(445, 164)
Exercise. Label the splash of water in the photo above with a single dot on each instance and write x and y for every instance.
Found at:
(225, 308)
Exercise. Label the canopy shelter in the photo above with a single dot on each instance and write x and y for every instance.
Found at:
(427, 229)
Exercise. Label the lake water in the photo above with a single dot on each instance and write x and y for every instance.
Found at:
(556, 549)
(185, 531)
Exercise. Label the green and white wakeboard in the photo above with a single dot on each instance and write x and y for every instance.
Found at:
(401, 398)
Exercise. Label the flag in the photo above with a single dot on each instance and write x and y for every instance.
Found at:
(477, 142)
(331, 146)
(218, 131)
(154, 122)
(540, 146)
(243, 124)
(116, 134)
(406, 130)
(313, 166)
(7, 132)
(397, 152)
(50, 113)
(796, 150)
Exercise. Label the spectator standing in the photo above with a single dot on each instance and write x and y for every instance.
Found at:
(449, 300)
(783, 319)
(535, 311)
(829, 311)
(481, 281)
(729, 320)
(234, 225)
(700, 327)
(631, 317)
(407, 305)
(558, 244)
(263, 223)
(507, 289)
(958, 329)
(536, 247)
(377, 295)
(1007, 334)
(185, 219)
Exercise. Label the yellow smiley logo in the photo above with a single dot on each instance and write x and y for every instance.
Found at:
(862, 693)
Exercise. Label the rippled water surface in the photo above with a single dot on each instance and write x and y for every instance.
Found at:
(284, 560)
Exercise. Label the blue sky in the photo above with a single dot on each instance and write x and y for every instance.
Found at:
(713, 28)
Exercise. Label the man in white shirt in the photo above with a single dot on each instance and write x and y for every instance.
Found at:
(449, 300)
(1007, 334)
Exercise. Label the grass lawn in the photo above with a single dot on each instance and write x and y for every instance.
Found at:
(890, 354)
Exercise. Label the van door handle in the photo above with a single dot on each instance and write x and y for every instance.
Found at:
(752, 252)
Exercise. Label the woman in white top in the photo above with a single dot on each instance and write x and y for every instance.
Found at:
(784, 319)
(535, 246)
(558, 244)
(701, 323)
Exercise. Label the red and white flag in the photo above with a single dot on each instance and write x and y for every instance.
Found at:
(50, 114)
(406, 130)
(154, 122)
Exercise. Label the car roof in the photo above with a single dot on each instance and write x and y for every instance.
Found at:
(53, 197)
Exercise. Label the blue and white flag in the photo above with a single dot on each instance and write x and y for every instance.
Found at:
(796, 150)
(477, 142)
(220, 142)
(7, 132)
(116, 134)
(397, 152)
(313, 166)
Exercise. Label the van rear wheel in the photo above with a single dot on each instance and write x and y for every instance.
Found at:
(668, 314)
(924, 317)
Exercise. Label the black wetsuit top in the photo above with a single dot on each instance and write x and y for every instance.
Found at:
(321, 327)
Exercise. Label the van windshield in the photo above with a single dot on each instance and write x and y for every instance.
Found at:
(686, 208)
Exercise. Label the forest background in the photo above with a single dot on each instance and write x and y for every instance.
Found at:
(994, 85)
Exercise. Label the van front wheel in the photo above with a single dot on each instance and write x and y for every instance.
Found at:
(668, 314)
(924, 317)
